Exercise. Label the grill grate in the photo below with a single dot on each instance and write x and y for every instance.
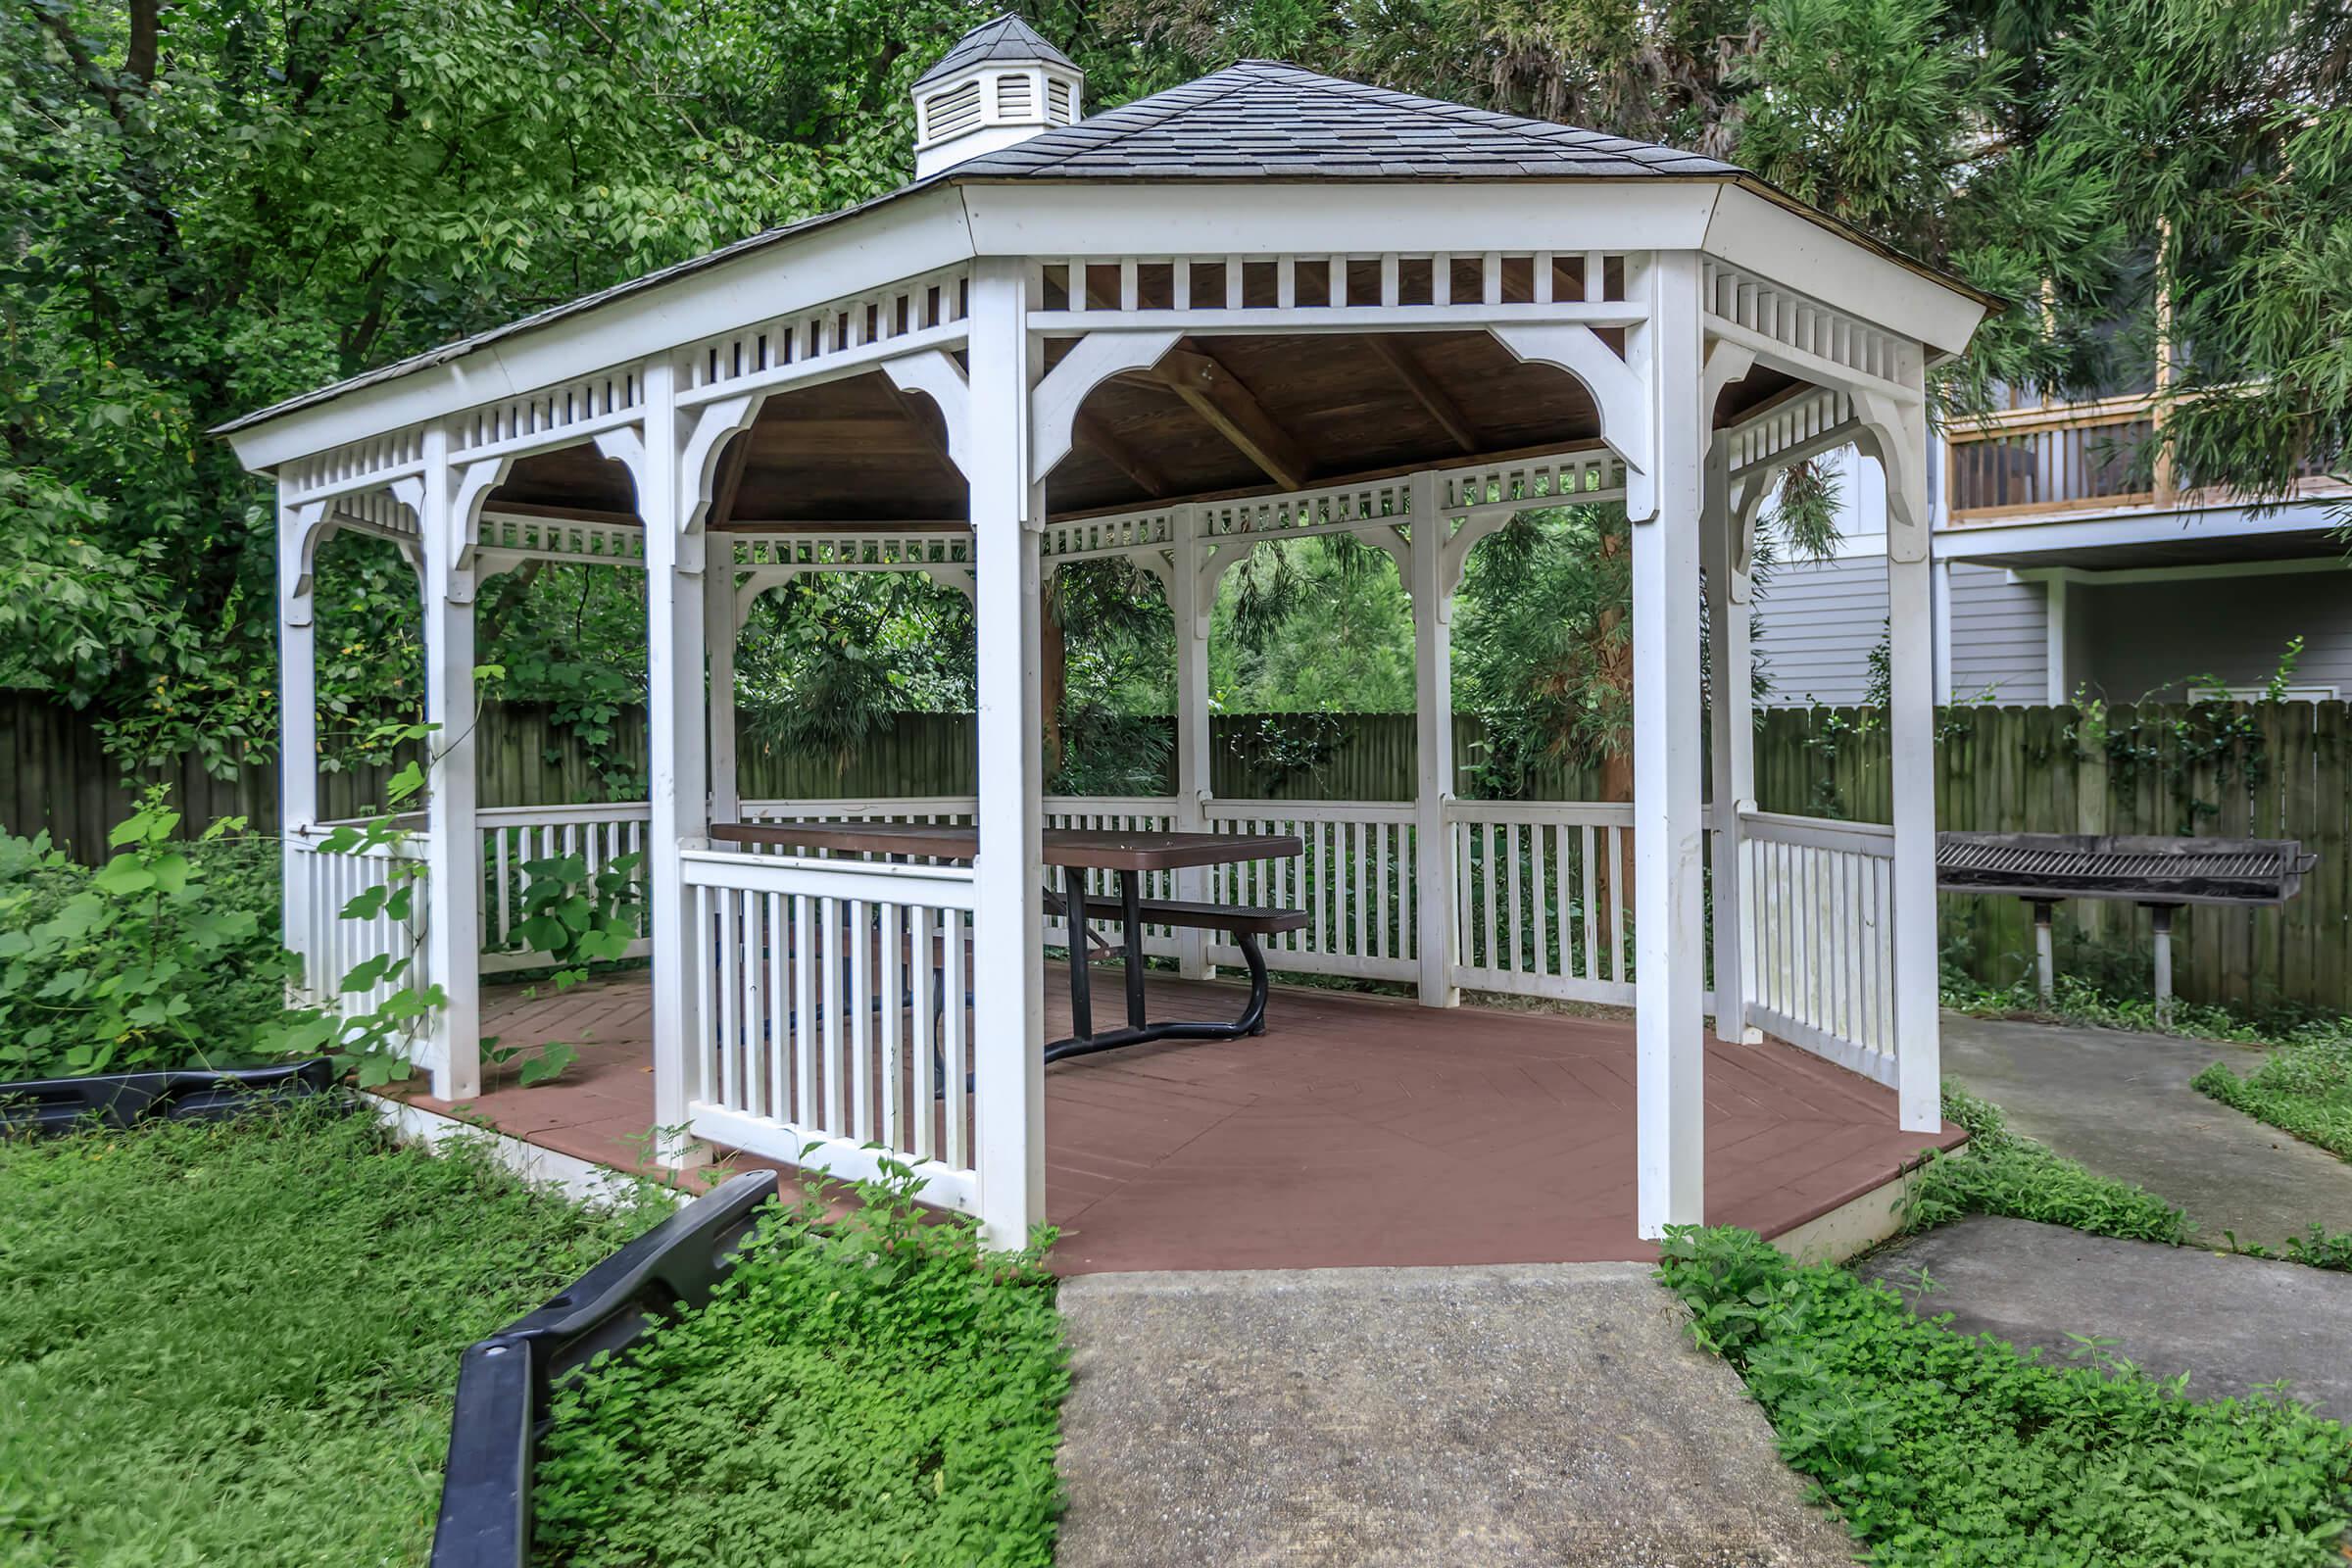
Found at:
(2098, 866)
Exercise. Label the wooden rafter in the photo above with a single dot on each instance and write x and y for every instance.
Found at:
(1092, 433)
(1232, 410)
(1424, 389)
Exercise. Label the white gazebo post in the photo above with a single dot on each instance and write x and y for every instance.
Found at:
(1670, 1058)
(1899, 435)
(1190, 601)
(1725, 539)
(1007, 509)
(453, 841)
(675, 782)
(1433, 746)
(298, 727)
(722, 627)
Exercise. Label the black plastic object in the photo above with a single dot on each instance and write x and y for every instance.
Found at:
(38, 1107)
(504, 1381)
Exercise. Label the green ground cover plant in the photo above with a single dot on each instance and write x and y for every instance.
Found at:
(2000, 1172)
(865, 1391)
(1955, 1452)
(2077, 1000)
(2305, 1088)
(236, 1343)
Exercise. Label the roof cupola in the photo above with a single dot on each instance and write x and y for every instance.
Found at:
(999, 84)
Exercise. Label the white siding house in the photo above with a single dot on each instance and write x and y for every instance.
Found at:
(2053, 581)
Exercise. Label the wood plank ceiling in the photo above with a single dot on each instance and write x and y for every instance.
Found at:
(1216, 417)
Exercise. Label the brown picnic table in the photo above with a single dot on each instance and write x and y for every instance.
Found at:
(1078, 851)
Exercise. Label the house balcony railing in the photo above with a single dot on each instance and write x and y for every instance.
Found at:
(2059, 461)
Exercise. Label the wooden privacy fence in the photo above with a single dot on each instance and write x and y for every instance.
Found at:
(2268, 771)
(2211, 769)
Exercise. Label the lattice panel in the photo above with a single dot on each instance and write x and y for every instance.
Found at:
(1309, 512)
(1087, 286)
(1797, 321)
(563, 539)
(919, 304)
(376, 511)
(1569, 479)
(548, 411)
(1798, 422)
(341, 468)
(1108, 536)
(888, 552)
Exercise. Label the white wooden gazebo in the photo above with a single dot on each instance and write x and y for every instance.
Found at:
(1262, 306)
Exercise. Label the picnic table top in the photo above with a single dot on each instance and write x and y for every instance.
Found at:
(1087, 849)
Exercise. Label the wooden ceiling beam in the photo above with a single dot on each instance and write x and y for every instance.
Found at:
(1095, 434)
(1232, 410)
(1425, 391)
(933, 442)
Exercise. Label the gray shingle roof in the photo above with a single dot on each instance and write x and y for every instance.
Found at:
(1263, 118)
(1260, 119)
(1007, 37)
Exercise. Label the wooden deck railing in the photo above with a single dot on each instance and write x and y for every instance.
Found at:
(2057, 458)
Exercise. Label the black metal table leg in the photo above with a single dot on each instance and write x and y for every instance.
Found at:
(1131, 898)
(1082, 989)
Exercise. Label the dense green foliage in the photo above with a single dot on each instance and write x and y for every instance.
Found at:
(204, 207)
(1999, 1172)
(236, 1343)
(1953, 1452)
(2305, 1088)
(872, 1390)
(166, 956)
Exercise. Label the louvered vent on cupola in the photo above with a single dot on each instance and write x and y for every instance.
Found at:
(999, 84)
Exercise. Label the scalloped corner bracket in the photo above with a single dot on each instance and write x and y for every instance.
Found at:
(1617, 388)
(1093, 359)
(697, 459)
(298, 535)
(1897, 434)
(935, 374)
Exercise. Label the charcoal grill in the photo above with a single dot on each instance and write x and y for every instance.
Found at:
(2159, 873)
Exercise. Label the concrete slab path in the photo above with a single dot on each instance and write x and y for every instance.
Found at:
(2119, 1103)
(1524, 1413)
(2232, 1323)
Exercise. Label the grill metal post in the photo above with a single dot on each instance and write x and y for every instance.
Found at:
(2163, 916)
(2045, 963)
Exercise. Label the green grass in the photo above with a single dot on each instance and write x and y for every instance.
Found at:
(1999, 1172)
(236, 1344)
(870, 1391)
(2305, 1088)
(1955, 1452)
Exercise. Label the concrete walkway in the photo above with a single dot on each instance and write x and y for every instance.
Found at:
(2119, 1103)
(2232, 1323)
(1531, 1413)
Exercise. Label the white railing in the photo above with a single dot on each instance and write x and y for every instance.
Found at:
(1540, 899)
(1817, 924)
(513, 836)
(1355, 878)
(332, 946)
(832, 1018)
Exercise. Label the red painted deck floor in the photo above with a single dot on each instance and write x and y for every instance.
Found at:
(1357, 1130)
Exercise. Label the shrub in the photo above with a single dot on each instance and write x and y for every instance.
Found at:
(1955, 1452)
(872, 1390)
(160, 958)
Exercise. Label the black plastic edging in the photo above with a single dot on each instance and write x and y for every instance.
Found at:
(48, 1106)
(504, 1381)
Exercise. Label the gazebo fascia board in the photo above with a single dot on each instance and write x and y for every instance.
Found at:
(995, 309)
